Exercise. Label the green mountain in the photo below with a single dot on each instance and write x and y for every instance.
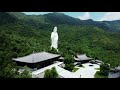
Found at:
(114, 26)
(60, 18)
(6, 18)
(22, 34)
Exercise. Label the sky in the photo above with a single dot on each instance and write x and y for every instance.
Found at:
(96, 16)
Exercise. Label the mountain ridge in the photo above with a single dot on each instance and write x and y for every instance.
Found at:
(60, 18)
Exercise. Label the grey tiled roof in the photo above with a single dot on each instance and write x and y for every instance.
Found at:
(36, 57)
(61, 58)
(82, 57)
(118, 68)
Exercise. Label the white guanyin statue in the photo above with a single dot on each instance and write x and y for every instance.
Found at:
(54, 39)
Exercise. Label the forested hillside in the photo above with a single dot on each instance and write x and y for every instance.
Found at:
(22, 34)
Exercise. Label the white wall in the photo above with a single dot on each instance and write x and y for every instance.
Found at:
(40, 75)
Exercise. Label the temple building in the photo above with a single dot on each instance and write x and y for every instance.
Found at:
(82, 58)
(37, 60)
(114, 72)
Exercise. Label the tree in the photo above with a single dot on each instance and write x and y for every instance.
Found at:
(69, 62)
(51, 73)
(47, 73)
(8, 72)
(25, 74)
(54, 72)
(69, 66)
(104, 69)
(68, 59)
(8, 69)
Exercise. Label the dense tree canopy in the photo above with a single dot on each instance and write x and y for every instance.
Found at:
(9, 69)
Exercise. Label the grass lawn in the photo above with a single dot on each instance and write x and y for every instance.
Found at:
(81, 66)
(97, 75)
(97, 68)
(75, 69)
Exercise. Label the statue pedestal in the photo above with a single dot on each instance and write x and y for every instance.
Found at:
(53, 48)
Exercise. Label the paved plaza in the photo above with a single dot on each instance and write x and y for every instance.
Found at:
(88, 71)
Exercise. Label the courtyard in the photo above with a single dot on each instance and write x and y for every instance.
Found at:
(87, 71)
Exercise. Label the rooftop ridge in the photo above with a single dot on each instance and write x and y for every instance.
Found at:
(36, 57)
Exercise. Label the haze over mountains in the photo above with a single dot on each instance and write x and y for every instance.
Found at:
(21, 34)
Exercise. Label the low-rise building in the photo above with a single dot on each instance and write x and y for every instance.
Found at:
(114, 73)
(82, 58)
(37, 60)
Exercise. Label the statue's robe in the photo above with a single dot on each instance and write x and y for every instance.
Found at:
(54, 40)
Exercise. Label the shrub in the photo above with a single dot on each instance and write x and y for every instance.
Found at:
(47, 73)
(51, 73)
(53, 50)
(54, 72)
(69, 62)
(69, 66)
(80, 65)
(104, 69)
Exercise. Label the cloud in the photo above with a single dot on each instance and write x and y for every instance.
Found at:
(35, 13)
(86, 16)
(110, 16)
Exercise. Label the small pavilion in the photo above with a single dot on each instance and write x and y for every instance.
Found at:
(82, 58)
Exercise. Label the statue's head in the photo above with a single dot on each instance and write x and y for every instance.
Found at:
(55, 29)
